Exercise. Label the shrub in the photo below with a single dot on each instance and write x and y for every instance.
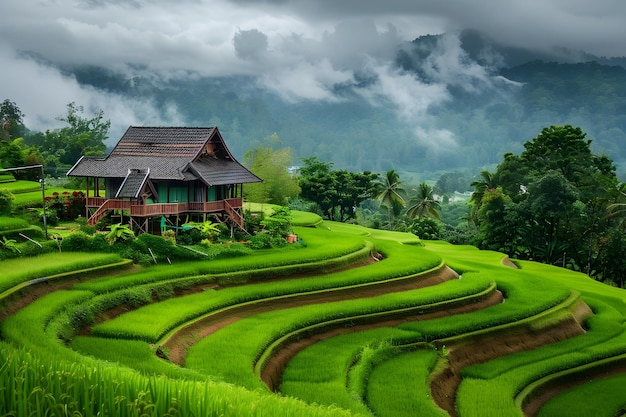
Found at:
(232, 250)
(136, 297)
(80, 317)
(6, 202)
(169, 235)
(265, 240)
(279, 223)
(51, 219)
(33, 232)
(87, 229)
(31, 249)
(82, 242)
(10, 245)
(120, 233)
(426, 228)
(252, 221)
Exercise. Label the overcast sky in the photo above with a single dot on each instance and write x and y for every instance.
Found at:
(296, 48)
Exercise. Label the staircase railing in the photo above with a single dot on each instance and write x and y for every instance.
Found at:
(234, 215)
(106, 206)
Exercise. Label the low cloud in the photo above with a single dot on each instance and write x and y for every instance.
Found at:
(250, 44)
(300, 50)
(44, 92)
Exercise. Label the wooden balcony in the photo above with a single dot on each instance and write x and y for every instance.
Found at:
(158, 209)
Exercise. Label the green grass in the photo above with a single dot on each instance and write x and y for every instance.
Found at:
(318, 373)
(348, 375)
(504, 378)
(19, 270)
(581, 282)
(11, 223)
(399, 386)
(256, 333)
(21, 187)
(317, 250)
(132, 354)
(597, 398)
(298, 218)
(45, 375)
(304, 218)
(36, 384)
(151, 322)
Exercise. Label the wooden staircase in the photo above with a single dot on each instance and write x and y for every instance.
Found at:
(234, 215)
(104, 208)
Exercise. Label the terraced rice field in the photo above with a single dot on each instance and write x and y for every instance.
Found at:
(354, 322)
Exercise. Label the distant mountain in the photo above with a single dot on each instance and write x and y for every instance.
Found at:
(497, 97)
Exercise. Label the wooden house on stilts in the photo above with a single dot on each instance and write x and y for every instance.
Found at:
(156, 174)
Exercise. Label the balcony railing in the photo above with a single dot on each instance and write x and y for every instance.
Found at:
(157, 209)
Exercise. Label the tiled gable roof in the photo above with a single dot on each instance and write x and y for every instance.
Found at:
(176, 153)
(220, 171)
(163, 141)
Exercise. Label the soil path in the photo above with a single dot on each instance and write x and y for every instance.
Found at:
(490, 346)
(273, 370)
(532, 406)
(179, 342)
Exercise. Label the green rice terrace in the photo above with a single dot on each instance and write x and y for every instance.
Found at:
(347, 321)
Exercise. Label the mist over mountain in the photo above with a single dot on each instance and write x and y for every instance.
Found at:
(442, 103)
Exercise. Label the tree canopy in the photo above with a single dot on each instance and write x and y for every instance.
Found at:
(11, 121)
(272, 165)
(551, 203)
(338, 193)
(82, 136)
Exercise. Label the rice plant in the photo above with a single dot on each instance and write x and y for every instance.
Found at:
(17, 271)
(599, 398)
(254, 334)
(399, 386)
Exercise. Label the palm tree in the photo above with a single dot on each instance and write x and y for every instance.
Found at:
(390, 194)
(487, 181)
(617, 210)
(423, 203)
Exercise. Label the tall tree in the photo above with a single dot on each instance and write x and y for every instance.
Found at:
(82, 136)
(617, 209)
(11, 121)
(553, 203)
(278, 186)
(423, 203)
(390, 194)
(565, 149)
(338, 193)
(499, 225)
(483, 184)
(550, 205)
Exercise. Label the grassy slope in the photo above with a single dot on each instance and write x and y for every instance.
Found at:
(463, 259)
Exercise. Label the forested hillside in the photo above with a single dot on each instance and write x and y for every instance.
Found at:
(467, 101)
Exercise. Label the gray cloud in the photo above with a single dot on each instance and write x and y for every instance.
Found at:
(250, 44)
(297, 48)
